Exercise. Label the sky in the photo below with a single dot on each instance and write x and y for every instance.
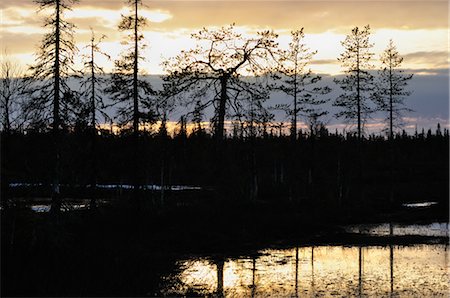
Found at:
(420, 30)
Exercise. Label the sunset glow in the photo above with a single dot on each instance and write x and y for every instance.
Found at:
(419, 30)
(422, 40)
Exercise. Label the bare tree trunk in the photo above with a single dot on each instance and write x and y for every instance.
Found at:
(391, 140)
(219, 135)
(135, 108)
(222, 106)
(93, 203)
(358, 93)
(340, 179)
(135, 72)
(56, 198)
(311, 161)
(253, 169)
(163, 165)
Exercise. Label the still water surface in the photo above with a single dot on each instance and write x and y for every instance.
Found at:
(324, 271)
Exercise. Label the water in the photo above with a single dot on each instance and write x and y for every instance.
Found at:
(115, 186)
(436, 229)
(419, 205)
(42, 208)
(400, 271)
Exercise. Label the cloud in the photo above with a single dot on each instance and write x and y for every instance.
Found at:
(324, 61)
(19, 43)
(316, 17)
(439, 72)
(437, 59)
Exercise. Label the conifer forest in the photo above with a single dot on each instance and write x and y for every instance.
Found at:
(239, 171)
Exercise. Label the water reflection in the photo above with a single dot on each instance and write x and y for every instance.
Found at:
(436, 229)
(419, 270)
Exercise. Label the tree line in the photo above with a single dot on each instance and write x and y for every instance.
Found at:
(230, 73)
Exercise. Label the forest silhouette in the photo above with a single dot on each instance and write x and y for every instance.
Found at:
(236, 180)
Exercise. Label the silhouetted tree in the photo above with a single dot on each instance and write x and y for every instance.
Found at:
(197, 118)
(249, 110)
(299, 82)
(263, 120)
(438, 130)
(12, 83)
(250, 113)
(357, 82)
(214, 71)
(389, 95)
(390, 88)
(92, 86)
(131, 94)
(52, 103)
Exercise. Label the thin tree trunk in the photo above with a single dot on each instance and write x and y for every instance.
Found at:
(391, 138)
(219, 135)
(222, 105)
(311, 166)
(135, 107)
(93, 203)
(358, 93)
(253, 170)
(135, 72)
(360, 180)
(56, 199)
(163, 161)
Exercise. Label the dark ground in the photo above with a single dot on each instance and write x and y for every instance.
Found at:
(124, 248)
(118, 250)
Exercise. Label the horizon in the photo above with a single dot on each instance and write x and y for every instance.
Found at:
(421, 38)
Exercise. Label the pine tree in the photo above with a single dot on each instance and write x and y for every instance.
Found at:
(390, 88)
(298, 82)
(132, 95)
(92, 86)
(214, 72)
(52, 102)
(357, 84)
(93, 83)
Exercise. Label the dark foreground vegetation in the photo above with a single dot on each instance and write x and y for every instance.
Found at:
(125, 245)
(324, 170)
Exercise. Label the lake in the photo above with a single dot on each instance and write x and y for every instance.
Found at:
(319, 271)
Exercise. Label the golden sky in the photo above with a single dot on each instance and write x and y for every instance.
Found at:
(419, 28)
